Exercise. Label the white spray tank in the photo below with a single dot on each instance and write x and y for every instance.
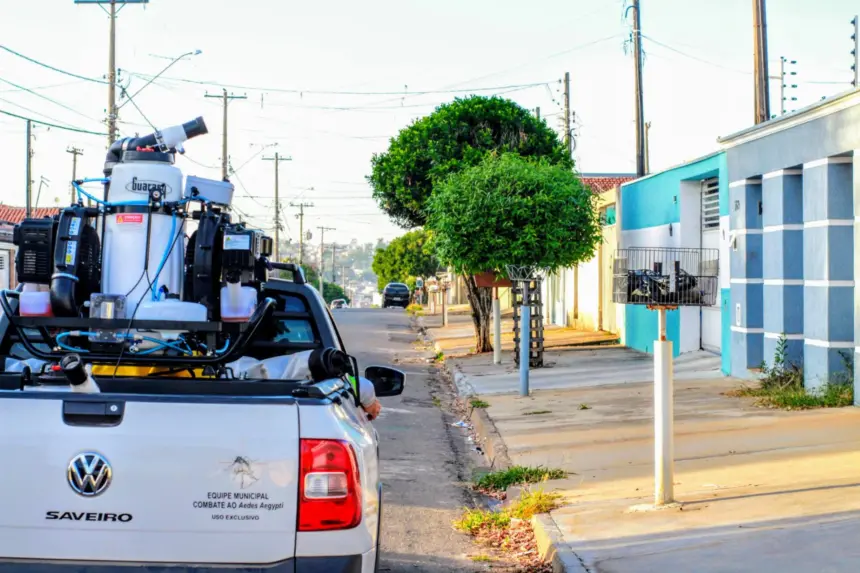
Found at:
(129, 262)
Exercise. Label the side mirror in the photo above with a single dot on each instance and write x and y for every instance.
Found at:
(386, 381)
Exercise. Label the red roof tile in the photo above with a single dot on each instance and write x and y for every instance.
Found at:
(602, 183)
(15, 215)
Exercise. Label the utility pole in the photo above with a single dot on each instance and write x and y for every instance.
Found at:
(301, 218)
(75, 152)
(225, 101)
(537, 113)
(647, 148)
(637, 80)
(567, 114)
(322, 231)
(333, 269)
(856, 51)
(277, 159)
(29, 199)
(762, 87)
(112, 111)
(343, 277)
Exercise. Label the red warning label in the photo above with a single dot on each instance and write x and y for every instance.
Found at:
(130, 218)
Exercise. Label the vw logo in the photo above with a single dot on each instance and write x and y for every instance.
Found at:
(89, 474)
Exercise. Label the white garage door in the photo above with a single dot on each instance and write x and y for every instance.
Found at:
(711, 323)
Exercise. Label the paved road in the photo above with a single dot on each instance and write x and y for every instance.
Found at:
(419, 448)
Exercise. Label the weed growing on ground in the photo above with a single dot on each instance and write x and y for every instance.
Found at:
(584, 406)
(415, 310)
(437, 402)
(440, 357)
(481, 558)
(781, 385)
(537, 413)
(531, 503)
(509, 530)
(517, 475)
(478, 403)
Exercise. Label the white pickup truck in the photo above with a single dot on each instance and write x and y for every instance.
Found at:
(160, 472)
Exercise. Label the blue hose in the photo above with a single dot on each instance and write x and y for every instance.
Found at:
(164, 257)
(72, 348)
(80, 192)
(162, 345)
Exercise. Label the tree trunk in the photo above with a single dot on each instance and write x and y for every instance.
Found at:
(481, 301)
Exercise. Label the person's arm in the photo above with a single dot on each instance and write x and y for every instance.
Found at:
(367, 397)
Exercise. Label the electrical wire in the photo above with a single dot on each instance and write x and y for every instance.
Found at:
(25, 108)
(45, 87)
(51, 100)
(52, 68)
(329, 92)
(54, 125)
(198, 163)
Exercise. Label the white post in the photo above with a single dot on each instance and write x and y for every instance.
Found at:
(444, 307)
(664, 455)
(497, 328)
(525, 340)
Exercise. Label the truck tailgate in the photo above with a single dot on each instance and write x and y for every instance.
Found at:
(174, 480)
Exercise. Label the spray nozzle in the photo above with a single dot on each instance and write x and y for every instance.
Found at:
(73, 367)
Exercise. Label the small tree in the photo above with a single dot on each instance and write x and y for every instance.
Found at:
(455, 137)
(405, 258)
(511, 211)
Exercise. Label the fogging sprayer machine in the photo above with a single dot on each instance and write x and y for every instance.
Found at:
(119, 279)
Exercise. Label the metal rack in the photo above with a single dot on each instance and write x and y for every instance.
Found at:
(536, 339)
(666, 277)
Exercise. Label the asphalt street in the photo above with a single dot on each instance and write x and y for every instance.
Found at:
(423, 456)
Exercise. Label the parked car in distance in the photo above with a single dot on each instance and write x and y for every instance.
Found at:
(395, 294)
(338, 303)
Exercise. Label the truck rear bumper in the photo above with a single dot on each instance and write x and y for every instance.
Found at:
(342, 564)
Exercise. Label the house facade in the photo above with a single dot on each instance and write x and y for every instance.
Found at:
(793, 194)
(682, 207)
(779, 201)
(581, 296)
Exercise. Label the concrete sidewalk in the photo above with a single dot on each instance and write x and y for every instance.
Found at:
(458, 338)
(761, 490)
(576, 368)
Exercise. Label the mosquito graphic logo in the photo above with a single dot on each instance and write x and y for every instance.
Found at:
(243, 471)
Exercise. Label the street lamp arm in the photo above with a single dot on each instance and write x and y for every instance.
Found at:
(158, 75)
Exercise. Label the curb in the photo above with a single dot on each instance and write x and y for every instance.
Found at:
(486, 433)
(552, 548)
(494, 447)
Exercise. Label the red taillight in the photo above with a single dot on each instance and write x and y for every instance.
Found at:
(329, 487)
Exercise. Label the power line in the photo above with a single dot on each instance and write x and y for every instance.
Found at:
(58, 70)
(331, 92)
(46, 98)
(45, 87)
(25, 108)
(74, 129)
(199, 164)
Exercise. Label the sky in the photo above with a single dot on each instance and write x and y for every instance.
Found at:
(328, 83)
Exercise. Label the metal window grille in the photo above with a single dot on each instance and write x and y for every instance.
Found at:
(710, 204)
(666, 276)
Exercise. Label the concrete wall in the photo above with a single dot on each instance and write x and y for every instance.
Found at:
(664, 210)
(796, 256)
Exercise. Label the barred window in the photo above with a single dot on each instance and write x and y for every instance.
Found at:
(710, 204)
